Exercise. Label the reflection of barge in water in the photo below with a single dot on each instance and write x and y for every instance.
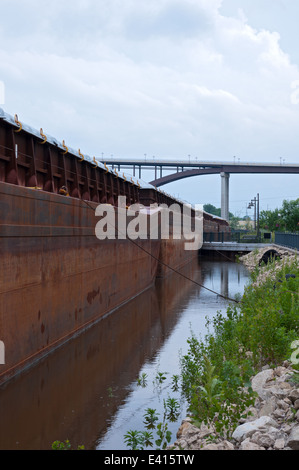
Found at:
(77, 375)
(57, 278)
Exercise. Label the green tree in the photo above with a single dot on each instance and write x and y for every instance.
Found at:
(210, 209)
(270, 220)
(285, 218)
(234, 222)
(290, 215)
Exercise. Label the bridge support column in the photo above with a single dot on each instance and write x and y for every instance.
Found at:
(225, 195)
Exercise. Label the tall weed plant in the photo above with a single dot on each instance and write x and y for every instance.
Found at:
(260, 330)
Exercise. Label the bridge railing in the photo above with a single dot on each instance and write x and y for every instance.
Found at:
(237, 236)
(220, 237)
(290, 240)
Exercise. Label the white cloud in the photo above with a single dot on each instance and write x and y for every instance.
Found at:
(163, 77)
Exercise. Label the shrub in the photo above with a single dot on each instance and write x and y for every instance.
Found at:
(216, 371)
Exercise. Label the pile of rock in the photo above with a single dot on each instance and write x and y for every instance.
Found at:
(273, 424)
(286, 258)
(254, 258)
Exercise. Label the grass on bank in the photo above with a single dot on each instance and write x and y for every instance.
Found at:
(259, 331)
(216, 370)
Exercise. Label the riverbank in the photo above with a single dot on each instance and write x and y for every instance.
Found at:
(244, 393)
(273, 424)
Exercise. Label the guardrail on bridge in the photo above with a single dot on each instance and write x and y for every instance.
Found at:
(290, 240)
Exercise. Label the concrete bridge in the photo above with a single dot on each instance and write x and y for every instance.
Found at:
(189, 168)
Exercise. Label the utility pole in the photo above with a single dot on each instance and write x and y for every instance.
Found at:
(256, 204)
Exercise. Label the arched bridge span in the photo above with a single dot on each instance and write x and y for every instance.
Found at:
(225, 169)
(188, 169)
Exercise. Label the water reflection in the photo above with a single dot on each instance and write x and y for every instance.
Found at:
(86, 391)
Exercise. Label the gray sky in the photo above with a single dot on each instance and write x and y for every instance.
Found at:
(167, 78)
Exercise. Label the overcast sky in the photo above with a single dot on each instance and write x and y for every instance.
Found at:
(167, 78)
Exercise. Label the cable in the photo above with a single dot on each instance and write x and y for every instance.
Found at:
(170, 267)
(132, 241)
(175, 270)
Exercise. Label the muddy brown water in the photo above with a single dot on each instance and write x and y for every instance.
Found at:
(87, 390)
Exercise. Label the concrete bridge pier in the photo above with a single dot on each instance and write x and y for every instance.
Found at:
(225, 195)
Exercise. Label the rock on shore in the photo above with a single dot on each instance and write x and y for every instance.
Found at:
(274, 420)
(273, 425)
(286, 257)
(254, 258)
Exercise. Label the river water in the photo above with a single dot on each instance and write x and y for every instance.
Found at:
(87, 391)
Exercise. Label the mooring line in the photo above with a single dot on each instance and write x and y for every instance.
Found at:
(168, 266)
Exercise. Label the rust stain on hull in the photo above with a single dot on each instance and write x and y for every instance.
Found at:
(57, 278)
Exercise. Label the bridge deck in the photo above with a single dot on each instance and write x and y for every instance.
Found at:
(233, 246)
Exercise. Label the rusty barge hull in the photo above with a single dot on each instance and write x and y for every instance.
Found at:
(57, 278)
